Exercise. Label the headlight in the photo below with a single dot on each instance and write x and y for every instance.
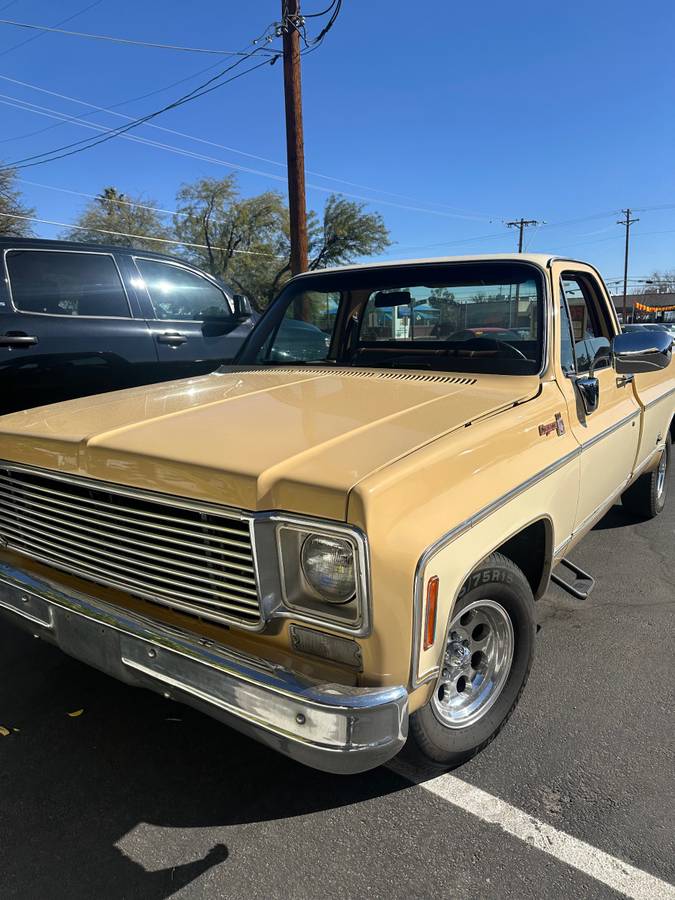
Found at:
(323, 569)
(328, 565)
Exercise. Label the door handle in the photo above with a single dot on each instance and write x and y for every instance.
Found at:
(17, 340)
(173, 338)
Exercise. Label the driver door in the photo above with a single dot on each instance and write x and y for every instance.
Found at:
(608, 436)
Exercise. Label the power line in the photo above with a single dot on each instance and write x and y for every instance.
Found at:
(49, 113)
(116, 40)
(521, 225)
(460, 212)
(79, 146)
(65, 21)
(322, 13)
(145, 237)
(102, 199)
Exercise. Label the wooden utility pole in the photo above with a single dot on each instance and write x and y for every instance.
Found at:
(295, 142)
(521, 225)
(627, 222)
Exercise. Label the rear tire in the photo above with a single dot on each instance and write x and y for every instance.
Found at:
(646, 497)
(489, 652)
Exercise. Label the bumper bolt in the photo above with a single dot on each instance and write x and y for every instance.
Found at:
(300, 719)
(152, 653)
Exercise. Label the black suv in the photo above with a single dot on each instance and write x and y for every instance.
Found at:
(78, 319)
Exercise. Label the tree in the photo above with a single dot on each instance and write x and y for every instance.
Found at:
(119, 219)
(11, 205)
(239, 240)
(246, 241)
(662, 282)
(345, 233)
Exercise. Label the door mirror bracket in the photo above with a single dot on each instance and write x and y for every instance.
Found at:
(589, 389)
(588, 385)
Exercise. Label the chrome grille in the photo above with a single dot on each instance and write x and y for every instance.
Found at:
(184, 555)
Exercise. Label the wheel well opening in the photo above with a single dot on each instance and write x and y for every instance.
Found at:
(672, 430)
(531, 550)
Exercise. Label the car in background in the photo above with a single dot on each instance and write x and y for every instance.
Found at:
(648, 326)
(80, 319)
(494, 333)
(298, 341)
(669, 328)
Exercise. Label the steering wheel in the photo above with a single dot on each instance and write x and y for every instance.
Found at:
(485, 343)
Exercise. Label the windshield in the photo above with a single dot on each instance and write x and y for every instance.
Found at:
(464, 317)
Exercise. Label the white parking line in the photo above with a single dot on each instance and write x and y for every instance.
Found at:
(616, 874)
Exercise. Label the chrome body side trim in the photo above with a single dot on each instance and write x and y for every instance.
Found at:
(453, 534)
(606, 433)
(659, 399)
(460, 529)
(333, 727)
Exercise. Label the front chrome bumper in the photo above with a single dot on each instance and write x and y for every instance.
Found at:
(332, 727)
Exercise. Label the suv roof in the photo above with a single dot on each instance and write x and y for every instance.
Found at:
(19, 243)
(6, 240)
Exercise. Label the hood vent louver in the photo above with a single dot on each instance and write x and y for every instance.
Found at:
(356, 373)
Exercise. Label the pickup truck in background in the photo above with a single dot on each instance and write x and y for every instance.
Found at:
(335, 545)
(79, 319)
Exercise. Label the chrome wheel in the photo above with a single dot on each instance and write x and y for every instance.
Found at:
(477, 662)
(661, 475)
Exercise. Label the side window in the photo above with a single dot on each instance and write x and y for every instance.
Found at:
(567, 360)
(178, 294)
(66, 283)
(590, 330)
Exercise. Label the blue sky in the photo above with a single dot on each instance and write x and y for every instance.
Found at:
(450, 117)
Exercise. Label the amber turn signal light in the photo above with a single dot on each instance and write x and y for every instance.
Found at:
(431, 610)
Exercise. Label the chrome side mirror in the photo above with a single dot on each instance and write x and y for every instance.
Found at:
(644, 351)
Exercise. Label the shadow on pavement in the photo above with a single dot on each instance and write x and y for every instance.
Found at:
(617, 517)
(72, 788)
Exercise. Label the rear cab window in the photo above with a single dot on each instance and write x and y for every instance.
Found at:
(66, 283)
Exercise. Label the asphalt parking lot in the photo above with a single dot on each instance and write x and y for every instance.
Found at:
(139, 797)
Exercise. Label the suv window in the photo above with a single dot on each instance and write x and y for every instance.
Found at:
(178, 294)
(66, 283)
(590, 330)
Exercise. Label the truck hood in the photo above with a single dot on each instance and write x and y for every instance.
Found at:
(296, 438)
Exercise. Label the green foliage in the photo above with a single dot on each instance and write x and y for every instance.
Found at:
(246, 241)
(345, 233)
(11, 205)
(116, 218)
(242, 240)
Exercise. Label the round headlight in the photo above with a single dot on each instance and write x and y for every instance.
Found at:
(328, 566)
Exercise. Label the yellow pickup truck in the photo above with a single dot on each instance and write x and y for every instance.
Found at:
(335, 545)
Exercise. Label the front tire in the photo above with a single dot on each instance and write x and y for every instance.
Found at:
(646, 497)
(489, 649)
